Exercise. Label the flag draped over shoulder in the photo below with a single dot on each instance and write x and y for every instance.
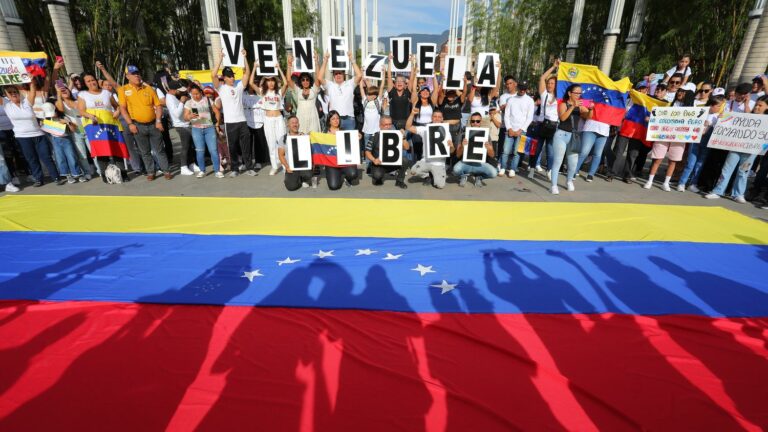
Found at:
(35, 62)
(635, 124)
(204, 76)
(324, 149)
(105, 136)
(608, 96)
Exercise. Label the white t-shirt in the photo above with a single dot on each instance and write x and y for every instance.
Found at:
(670, 97)
(755, 96)
(272, 101)
(734, 106)
(23, 118)
(371, 115)
(600, 128)
(549, 111)
(232, 102)
(478, 107)
(176, 111)
(254, 110)
(422, 131)
(674, 70)
(425, 114)
(203, 108)
(102, 100)
(341, 97)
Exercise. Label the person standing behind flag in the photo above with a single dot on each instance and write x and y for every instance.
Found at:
(235, 125)
(199, 111)
(518, 115)
(143, 112)
(565, 141)
(672, 150)
(341, 93)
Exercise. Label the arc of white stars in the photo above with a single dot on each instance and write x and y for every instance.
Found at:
(423, 269)
(445, 286)
(252, 274)
(365, 252)
(287, 261)
(391, 257)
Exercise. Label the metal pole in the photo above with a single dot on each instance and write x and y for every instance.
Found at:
(746, 42)
(363, 29)
(288, 24)
(573, 37)
(757, 59)
(611, 35)
(214, 28)
(232, 13)
(464, 31)
(207, 37)
(65, 35)
(375, 29)
(635, 34)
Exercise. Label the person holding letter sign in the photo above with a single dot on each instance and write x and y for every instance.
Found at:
(294, 180)
(341, 93)
(272, 103)
(373, 148)
(337, 175)
(235, 124)
(433, 166)
(475, 163)
(306, 97)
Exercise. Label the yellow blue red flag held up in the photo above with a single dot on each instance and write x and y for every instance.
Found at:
(609, 97)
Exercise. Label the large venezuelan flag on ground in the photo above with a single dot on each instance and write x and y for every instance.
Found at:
(635, 124)
(609, 96)
(139, 314)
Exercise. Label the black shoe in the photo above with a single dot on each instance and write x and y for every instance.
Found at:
(590, 178)
(61, 181)
(401, 184)
(378, 182)
(37, 184)
(609, 179)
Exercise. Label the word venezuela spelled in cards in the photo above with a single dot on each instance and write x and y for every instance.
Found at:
(220, 314)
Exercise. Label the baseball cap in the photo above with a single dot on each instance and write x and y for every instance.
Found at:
(641, 85)
(132, 70)
(425, 87)
(228, 72)
(175, 85)
(718, 91)
(523, 85)
(689, 86)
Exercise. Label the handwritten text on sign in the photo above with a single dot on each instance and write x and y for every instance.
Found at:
(12, 71)
(740, 132)
(676, 124)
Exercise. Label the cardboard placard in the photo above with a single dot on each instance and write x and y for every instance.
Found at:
(427, 57)
(266, 55)
(740, 132)
(677, 124)
(401, 54)
(339, 57)
(373, 66)
(298, 152)
(486, 70)
(347, 148)
(12, 71)
(232, 45)
(391, 147)
(474, 150)
(303, 55)
(438, 135)
(454, 72)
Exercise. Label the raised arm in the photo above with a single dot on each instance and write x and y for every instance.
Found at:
(251, 81)
(495, 92)
(435, 93)
(321, 74)
(283, 87)
(317, 70)
(32, 92)
(247, 71)
(390, 83)
(355, 67)
(215, 71)
(107, 75)
(409, 123)
(547, 73)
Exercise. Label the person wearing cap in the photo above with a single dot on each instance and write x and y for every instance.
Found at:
(517, 117)
(480, 170)
(718, 91)
(741, 102)
(759, 84)
(235, 124)
(450, 103)
(143, 113)
(341, 93)
(30, 137)
(174, 102)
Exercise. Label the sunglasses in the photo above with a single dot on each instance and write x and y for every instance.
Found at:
(675, 82)
(475, 121)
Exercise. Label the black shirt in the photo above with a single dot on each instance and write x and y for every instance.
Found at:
(451, 110)
(568, 124)
(399, 106)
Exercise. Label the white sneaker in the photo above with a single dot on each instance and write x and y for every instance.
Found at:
(648, 184)
(539, 169)
(200, 174)
(315, 180)
(185, 171)
(304, 185)
(10, 187)
(16, 181)
(194, 168)
(740, 200)
(511, 173)
(571, 187)
(693, 189)
(665, 187)
(681, 188)
(241, 167)
(554, 190)
(711, 196)
(219, 174)
(501, 172)
(549, 175)
(273, 171)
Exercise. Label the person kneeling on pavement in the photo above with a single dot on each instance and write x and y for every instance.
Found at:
(434, 166)
(379, 171)
(480, 170)
(294, 180)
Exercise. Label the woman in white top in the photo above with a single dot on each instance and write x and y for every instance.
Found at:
(548, 117)
(254, 116)
(200, 112)
(306, 98)
(30, 137)
(66, 103)
(373, 108)
(425, 101)
(274, 125)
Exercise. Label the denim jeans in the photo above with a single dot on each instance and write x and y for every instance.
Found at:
(510, 146)
(35, 150)
(591, 143)
(150, 142)
(485, 170)
(66, 157)
(696, 157)
(134, 154)
(734, 160)
(205, 137)
(544, 143)
(559, 147)
(347, 123)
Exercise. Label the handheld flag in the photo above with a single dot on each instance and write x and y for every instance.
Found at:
(105, 136)
(608, 96)
(635, 124)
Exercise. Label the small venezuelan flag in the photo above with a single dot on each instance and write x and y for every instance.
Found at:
(635, 124)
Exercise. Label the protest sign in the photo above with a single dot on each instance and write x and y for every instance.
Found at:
(338, 53)
(266, 55)
(401, 54)
(232, 44)
(347, 148)
(373, 66)
(427, 56)
(298, 151)
(740, 132)
(303, 55)
(486, 69)
(391, 147)
(454, 72)
(12, 71)
(438, 135)
(474, 150)
(676, 124)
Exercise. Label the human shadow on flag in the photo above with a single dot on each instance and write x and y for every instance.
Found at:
(136, 379)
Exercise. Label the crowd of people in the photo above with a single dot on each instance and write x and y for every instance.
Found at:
(239, 126)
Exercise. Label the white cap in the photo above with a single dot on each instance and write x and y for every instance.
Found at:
(690, 86)
(718, 91)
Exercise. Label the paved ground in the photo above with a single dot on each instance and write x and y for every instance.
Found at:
(509, 189)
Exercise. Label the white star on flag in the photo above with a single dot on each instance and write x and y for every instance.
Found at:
(423, 269)
(252, 274)
(287, 261)
(391, 257)
(445, 287)
(323, 254)
(365, 252)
